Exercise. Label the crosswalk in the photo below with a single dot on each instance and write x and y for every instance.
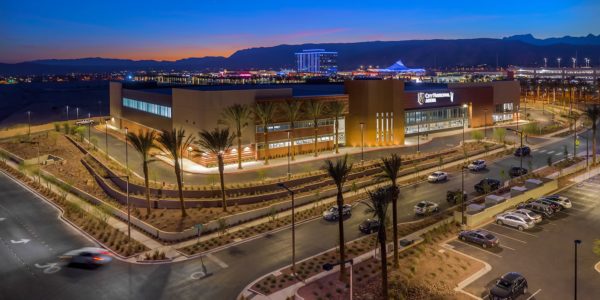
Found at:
(549, 152)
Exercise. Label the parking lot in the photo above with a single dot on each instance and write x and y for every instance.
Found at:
(545, 254)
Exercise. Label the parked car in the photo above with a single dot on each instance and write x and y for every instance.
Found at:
(426, 207)
(544, 210)
(477, 165)
(514, 220)
(529, 214)
(454, 196)
(369, 226)
(562, 200)
(517, 171)
(523, 151)
(480, 237)
(509, 286)
(88, 256)
(553, 204)
(493, 185)
(332, 213)
(437, 176)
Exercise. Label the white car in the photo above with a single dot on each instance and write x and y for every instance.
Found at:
(426, 207)
(89, 256)
(514, 220)
(477, 165)
(529, 214)
(437, 176)
(562, 200)
(332, 213)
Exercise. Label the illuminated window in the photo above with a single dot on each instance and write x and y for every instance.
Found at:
(155, 109)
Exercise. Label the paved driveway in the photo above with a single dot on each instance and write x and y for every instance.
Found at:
(545, 254)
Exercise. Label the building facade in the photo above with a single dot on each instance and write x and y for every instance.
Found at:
(582, 74)
(317, 61)
(378, 112)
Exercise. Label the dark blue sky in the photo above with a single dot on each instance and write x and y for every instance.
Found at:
(177, 29)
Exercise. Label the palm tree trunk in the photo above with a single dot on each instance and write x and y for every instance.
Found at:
(382, 250)
(395, 224)
(292, 142)
(266, 135)
(316, 140)
(222, 176)
(145, 169)
(594, 127)
(337, 124)
(239, 150)
(180, 188)
(340, 204)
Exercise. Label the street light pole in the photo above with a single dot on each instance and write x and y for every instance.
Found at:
(485, 123)
(289, 141)
(282, 185)
(106, 137)
(127, 170)
(362, 143)
(519, 132)
(464, 123)
(418, 137)
(29, 123)
(462, 196)
(67, 113)
(576, 243)
(76, 113)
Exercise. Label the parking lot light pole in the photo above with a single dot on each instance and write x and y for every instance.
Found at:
(106, 137)
(127, 170)
(576, 243)
(282, 185)
(289, 141)
(519, 132)
(462, 196)
(362, 143)
(464, 106)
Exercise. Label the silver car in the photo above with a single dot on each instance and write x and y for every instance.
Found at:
(437, 176)
(514, 220)
(89, 256)
(529, 214)
(426, 207)
(562, 200)
(332, 213)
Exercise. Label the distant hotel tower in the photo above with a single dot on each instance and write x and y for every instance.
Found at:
(317, 61)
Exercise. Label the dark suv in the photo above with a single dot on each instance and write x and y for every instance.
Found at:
(493, 185)
(523, 151)
(517, 171)
(539, 208)
(509, 286)
(454, 196)
(369, 226)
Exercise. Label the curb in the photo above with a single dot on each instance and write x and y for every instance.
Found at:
(461, 285)
(597, 267)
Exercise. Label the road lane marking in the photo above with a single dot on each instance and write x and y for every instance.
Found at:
(49, 268)
(21, 241)
(533, 295)
(219, 262)
(550, 152)
(478, 248)
(513, 229)
(507, 247)
(558, 154)
(506, 236)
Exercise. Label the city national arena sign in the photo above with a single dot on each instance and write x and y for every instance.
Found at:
(424, 98)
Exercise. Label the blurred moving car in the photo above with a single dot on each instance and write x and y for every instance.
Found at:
(369, 226)
(529, 214)
(514, 220)
(89, 256)
(480, 237)
(332, 213)
(454, 196)
(561, 200)
(509, 286)
(523, 151)
(426, 207)
(437, 176)
(477, 165)
(492, 184)
(517, 171)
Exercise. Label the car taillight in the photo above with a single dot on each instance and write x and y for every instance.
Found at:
(104, 252)
(98, 258)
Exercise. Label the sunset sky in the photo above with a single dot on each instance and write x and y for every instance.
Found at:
(170, 30)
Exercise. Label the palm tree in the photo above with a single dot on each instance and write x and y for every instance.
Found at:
(173, 142)
(377, 204)
(217, 142)
(339, 172)
(264, 112)
(143, 142)
(315, 110)
(593, 113)
(237, 116)
(336, 110)
(293, 110)
(390, 167)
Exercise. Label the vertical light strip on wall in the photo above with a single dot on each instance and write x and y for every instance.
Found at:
(377, 127)
(392, 125)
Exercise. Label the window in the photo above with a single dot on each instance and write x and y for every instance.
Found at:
(155, 109)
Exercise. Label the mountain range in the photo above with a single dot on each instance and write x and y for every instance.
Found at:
(521, 50)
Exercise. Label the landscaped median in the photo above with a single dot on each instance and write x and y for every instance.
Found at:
(420, 273)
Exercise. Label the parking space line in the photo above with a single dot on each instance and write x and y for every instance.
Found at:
(478, 248)
(526, 233)
(507, 247)
(506, 236)
(550, 152)
(533, 295)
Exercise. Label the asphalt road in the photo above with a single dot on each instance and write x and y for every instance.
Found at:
(545, 254)
(161, 171)
(27, 217)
